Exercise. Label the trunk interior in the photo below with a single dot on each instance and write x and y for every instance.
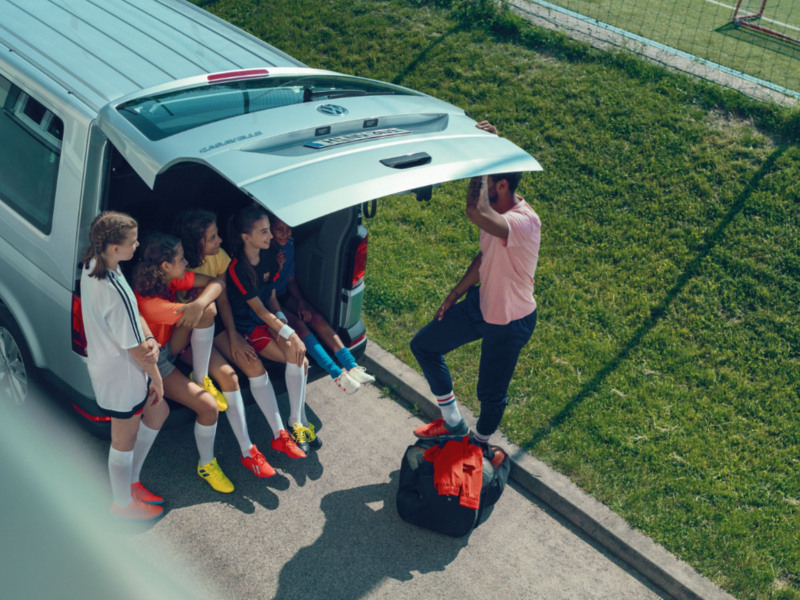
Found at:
(325, 247)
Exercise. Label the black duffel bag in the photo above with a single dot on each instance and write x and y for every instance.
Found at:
(419, 503)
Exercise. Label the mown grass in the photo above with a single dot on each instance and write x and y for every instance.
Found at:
(663, 375)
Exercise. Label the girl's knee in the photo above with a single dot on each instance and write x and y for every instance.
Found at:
(208, 410)
(155, 416)
(228, 380)
(209, 314)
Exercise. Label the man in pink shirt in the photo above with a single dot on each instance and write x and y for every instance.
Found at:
(501, 311)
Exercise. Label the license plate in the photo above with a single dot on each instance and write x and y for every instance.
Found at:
(361, 136)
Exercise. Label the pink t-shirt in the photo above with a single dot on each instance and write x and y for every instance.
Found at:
(508, 267)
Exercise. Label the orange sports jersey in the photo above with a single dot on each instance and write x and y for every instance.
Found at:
(160, 312)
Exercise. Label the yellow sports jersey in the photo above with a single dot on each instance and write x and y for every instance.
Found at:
(213, 266)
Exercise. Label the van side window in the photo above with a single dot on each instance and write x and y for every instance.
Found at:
(30, 150)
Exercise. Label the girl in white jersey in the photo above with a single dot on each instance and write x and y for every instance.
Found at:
(122, 363)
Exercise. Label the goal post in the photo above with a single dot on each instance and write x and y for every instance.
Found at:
(770, 17)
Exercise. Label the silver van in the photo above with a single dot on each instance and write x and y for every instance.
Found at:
(153, 106)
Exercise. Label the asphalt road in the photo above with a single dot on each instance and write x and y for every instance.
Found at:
(326, 526)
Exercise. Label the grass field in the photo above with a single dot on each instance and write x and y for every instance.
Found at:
(663, 376)
(702, 28)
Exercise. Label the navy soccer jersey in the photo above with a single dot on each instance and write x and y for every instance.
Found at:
(241, 287)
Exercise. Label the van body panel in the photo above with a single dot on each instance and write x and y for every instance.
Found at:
(299, 183)
(39, 305)
(52, 252)
(102, 51)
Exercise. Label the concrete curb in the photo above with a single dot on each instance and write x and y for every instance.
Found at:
(601, 524)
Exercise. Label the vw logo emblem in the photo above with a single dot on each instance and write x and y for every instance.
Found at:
(332, 109)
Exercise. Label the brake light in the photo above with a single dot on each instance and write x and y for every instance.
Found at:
(359, 264)
(358, 340)
(78, 333)
(241, 74)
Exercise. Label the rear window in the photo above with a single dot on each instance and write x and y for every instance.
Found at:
(163, 115)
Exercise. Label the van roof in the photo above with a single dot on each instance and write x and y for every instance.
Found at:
(101, 50)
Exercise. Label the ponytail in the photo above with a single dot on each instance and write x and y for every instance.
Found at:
(109, 228)
(243, 222)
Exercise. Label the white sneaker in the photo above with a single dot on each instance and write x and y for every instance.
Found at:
(347, 384)
(360, 375)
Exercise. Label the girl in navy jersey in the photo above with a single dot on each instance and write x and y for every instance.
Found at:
(304, 318)
(122, 356)
(257, 316)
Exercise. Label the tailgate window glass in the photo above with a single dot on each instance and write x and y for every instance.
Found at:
(163, 115)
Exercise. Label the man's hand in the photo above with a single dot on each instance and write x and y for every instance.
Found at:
(151, 356)
(240, 349)
(156, 392)
(281, 259)
(303, 312)
(477, 191)
(451, 299)
(486, 126)
(190, 315)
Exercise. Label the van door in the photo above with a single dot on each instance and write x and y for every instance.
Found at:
(303, 154)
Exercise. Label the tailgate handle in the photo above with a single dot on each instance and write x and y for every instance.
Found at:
(407, 161)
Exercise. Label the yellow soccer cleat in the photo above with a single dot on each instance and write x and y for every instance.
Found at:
(209, 386)
(213, 474)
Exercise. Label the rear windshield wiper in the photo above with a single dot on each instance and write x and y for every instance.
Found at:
(310, 95)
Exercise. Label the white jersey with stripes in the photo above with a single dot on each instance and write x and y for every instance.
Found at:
(111, 322)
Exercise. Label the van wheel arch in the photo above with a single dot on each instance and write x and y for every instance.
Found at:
(17, 368)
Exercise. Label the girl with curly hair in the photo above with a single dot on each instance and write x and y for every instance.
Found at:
(160, 274)
(122, 356)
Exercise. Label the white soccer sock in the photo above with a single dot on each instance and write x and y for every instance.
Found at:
(483, 439)
(204, 436)
(296, 386)
(119, 469)
(202, 342)
(237, 420)
(449, 408)
(144, 441)
(264, 393)
(303, 416)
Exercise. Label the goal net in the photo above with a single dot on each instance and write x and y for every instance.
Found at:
(776, 18)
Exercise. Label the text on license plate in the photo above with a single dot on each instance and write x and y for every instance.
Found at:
(361, 136)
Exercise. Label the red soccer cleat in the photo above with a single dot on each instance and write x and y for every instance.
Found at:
(285, 444)
(136, 511)
(142, 493)
(257, 463)
(440, 429)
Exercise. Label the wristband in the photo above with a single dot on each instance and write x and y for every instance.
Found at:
(281, 316)
(286, 332)
(149, 337)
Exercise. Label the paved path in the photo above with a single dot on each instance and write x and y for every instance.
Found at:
(326, 527)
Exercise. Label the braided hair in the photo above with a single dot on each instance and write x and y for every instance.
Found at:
(191, 227)
(109, 228)
(148, 278)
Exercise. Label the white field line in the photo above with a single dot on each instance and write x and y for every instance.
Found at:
(762, 18)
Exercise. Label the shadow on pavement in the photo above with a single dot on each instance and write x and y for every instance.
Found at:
(364, 541)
